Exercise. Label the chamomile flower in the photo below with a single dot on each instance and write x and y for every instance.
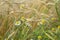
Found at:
(39, 37)
(17, 22)
(22, 18)
(53, 29)
(43, 21)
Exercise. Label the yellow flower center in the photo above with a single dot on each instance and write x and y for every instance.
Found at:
(17, 23)
(43, 21)
(58, 27)
(53, 29)
(53, 19)
(39, 37)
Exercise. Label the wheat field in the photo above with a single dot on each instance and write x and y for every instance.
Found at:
(29, 20)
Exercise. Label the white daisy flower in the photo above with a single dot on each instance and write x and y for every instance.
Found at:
(17, 22)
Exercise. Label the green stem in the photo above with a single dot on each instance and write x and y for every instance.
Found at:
(58, 13)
